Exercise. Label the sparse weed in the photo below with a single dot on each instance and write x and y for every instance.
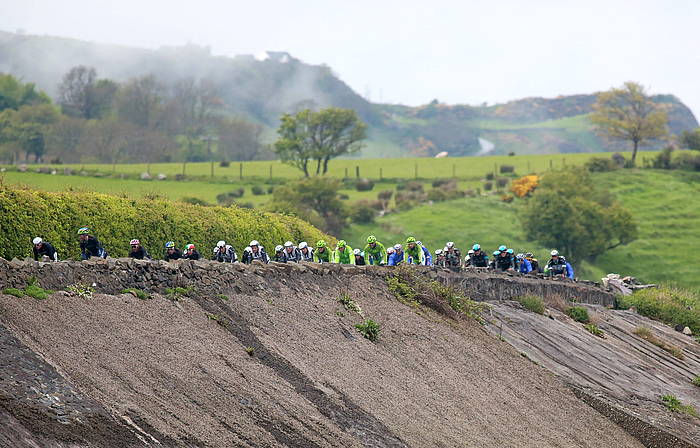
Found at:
(175, 293)
(138, 293)
(223, 297)
(369, 329)
(673, 404)
(532, 303)
(81, 290)
(349, 304)
(218, 319)
(403, 292)
(696, 381)
(250, 351)
(37, 292)
(594, 330)
(646, 334)
(340, 314)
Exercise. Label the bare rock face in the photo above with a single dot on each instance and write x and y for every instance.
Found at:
(223, 355)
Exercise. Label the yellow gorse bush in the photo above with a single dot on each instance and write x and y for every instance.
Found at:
(56, 218)
(525, 185)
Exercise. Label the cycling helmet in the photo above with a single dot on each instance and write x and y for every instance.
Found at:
(83, 231)
(554, 253)
(390, 250)
(397, 247)
(495, 252)
(528, 255)
(438, 252)
(501, 248)
(321, 243)
(37, 240)
(303, 245)
(450, 244)
(356, 251)
(471, 251)
(342, 243)
(476, 247)
(279, 248)
(134, 242)
(410, 239)
(371, 239)
(221, 244)
(189, 247)
(520, 256)
(170, 245)
(288, 244)
(254, 243)
(510, 251)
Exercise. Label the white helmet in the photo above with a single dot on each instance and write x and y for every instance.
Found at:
(303, 245)
(450, 244)
(254, 243)
(279, 248)
(397, 247)
(444, 249)
(288, 244)
(390, 250)
(471, 251)
(356, 251)
(554, 253)
(37, 240)
(438, 252)
(134, 242)
(221, 244)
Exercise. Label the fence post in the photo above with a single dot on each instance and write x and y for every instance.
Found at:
(381, 174)
(346, 172)
(240, 171)
(270, 171)
(551, 164)
(184, 165)
(148, 168)
(357, 171)
(415, 168)
(212, 169)
(454, 170)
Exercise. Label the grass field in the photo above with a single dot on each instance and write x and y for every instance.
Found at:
(468, 168)
(664, 203)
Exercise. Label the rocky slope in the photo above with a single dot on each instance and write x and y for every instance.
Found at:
(274, 362)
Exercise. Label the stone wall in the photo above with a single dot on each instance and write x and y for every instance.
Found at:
(111, 276)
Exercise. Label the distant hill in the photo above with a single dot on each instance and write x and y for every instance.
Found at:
(265, 86)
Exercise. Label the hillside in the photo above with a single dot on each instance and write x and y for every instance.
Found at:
(274, 362)
(662, 202)
(263, 87)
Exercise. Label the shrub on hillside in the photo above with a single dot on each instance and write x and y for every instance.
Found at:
(385, 195)
(601, 165)
(362, 212)
(505, 169)
(224, 163)
(257, 190)
(670, 305)
(488, 186)
(412, 185)
(57, 216)
(226, 199)
(490, 176)
(364, 185)
(502, 182)
(532, 303)
(579, 314)
(437, 195)
(195, 201)
(525, 185)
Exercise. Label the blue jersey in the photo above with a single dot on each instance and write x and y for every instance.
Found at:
(395, 258)
(428, 257)
(525, 266)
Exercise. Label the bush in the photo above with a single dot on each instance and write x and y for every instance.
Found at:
(369, 329)
(437, 183)
(224, 164)
(532, 303)
(505, 169)
(57, 216)
(412, 185)
(229, 198)
(488, 186)
(507, 198)
(349, 304)
(670, 305)
(502, 182)
(270, 189)
(343, 196)
(364, 185)
(362, 213)
(601, 165)
(385, 195)
(525, 185)
(579, 314)
(257, 190)
(490, 176)
(437, 195)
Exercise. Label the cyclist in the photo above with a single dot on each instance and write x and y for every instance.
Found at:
(426, 254)
(138, 251)
(453, 256)
(359, 257)
(479, 259)
(375, 251)
(414, 252)
(255, 252)
(322, 254)
(291, 252)
(89, 245)
(191, 253)
(224, 253)
(556, 266)
(343, 253)
(280, 256)
(397, 256)
(171, 252)
(43, 249)
(306, 253)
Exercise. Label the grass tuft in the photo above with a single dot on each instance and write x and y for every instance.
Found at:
(349, 303)
(594, 330)
(673, 404)
(250, 351)
(81, 290)
(673, 306)
(532, 303)
(579, 314)
(696, 381)
(13, 292)
(369, 329)
(646, 334)
(138, 293)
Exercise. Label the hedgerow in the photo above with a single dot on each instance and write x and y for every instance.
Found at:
(56, 217)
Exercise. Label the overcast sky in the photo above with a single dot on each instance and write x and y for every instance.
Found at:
(413, 51)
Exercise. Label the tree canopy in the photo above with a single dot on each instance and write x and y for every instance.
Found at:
(568, 212)
(627, 113)
(318, 136)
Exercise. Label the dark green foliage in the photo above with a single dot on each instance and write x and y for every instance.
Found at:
(670, 305)
(579, 314)
(601, 164)
(490, 176)
(691, 139)
(502, 182)
(569, 212)
(696, 381)
(364, 185)
(257, 190)
(488, 186)
(194, 201)
(115, 221)
(504, 169)
(369, 329)
(532, 303)
(226, 199)
(362, 213)
(37, 292)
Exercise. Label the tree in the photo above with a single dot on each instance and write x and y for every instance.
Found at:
(691, 139)
(28, 128)
(314, 200)
(627, 113)
(65, 137)
(569, 212)
(15, 94)
(195, 105)
(140, 102)
(239, 140)
(82, 95)
(319, 136)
